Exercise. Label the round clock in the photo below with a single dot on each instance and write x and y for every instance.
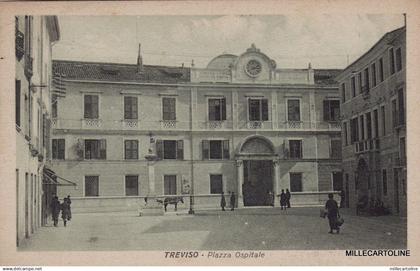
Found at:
(253, 68)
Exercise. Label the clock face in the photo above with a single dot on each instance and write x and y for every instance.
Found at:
(253, 68)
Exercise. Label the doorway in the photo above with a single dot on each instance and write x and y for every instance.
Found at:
(258, 182)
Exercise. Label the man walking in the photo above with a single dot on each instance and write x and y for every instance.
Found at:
(232, 201)
(223, 201)
(282, 200)
(55, 210)
(69, 203)
(332, 213)
(65, 208)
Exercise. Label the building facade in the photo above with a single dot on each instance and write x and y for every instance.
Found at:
(34, 38)
(239, 125)
(373, 93)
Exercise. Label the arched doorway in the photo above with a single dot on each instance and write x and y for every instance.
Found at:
(257, 153)
(363, 182)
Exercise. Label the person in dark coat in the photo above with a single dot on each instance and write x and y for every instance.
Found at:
(223, 201)
(342, 198)
(69, 202)
(332, 213)
(232, 201)
(282, 200)
(55, 210)
(288, 196)
(65, 207)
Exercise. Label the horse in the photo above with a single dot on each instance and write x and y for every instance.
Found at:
(171, 200)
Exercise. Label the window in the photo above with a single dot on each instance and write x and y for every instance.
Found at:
(217, 109)
(337, 178)
(295, 149)
(346, 142)
(170, 149)
(391, 61)
(369, 125)
(95, 149)
(169, 108)
(258, 109)
(335, 152)
(376, 122)
(17, 101)
(91, 186)
(402, 148)
(343, 92)
(381, 70)
(398, 59)
(131, 148)
(58, 148)
(362, 127)
(132, 185)
(331, 110)
(295, 182)
(384, 182)
(373, 69)
(54, 106)
(366, 85)
(394, 113)
(360, 82)
(354, 127)
(215, 149)
(353, 87)
(169, 184)
(401, 107)
(216, 183)
(293, 110)
(130, 108)
(383, 120)
(91, 107)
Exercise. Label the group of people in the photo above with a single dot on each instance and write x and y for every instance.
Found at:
(64, 207)
(285, 199)
(232, 201)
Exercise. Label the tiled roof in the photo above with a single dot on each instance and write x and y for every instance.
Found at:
(120, 72)
(326, 76)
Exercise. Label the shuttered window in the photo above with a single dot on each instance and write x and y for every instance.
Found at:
(335, 152)
(331, 110)
(91, 186)
(91, 106)
(170, 149)
(295, 149)
(215, 149)
(169, 108)
(391, 61)
(58, 148)
(216, 183)
(132, 185)
(295, 182)
(398, 57)
(293, 110)
(17, 100)
(258, 109)
(217, 109)
(130, 108)
(95, 149)
(169, 184)
(131, 149)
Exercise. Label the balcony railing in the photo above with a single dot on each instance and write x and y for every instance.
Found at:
(130, 124)
(367, 145)
(168, 124)
(91, 123)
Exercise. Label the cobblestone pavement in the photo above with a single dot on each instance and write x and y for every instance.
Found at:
(243, 229)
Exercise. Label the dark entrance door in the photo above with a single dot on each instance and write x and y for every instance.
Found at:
(258, 181)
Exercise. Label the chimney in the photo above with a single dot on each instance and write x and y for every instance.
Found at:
(139, 61)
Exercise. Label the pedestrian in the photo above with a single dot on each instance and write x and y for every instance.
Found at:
(342, 198)
(288, 196)
(331, 207)
(65, 211)
(55, 210)
(270, 198)
(223, 201)
(282, 200)
(69, 203)
(232, 201)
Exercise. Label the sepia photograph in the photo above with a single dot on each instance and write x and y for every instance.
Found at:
(217, 137)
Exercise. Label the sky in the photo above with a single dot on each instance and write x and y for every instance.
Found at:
(293, 41)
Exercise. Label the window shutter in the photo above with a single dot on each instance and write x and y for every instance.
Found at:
(226, 154)
(326, 110)
(286, 148)
(159, 149)
(55, 149)
(180, 149)
(223, 105)
(102, 149)
(95, 107)
(205, 145)
(264, 109)
(87, 102)
(61, 149)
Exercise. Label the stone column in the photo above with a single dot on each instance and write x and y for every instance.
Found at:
(240, 181)
(151, 177)
(276, 175)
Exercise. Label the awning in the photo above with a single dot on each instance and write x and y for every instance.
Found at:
(51, 178)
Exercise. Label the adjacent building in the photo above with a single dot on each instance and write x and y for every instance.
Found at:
(34, 38)
(373, 99)
(242, 124)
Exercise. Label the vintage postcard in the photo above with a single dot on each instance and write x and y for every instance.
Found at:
(209, 133)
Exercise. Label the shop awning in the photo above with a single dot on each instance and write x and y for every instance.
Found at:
(51, 178)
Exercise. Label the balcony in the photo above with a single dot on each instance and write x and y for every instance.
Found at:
(130, 124)
(168, 124)
(91, 123)
(367, 145)
(28, 66)
(20, 44)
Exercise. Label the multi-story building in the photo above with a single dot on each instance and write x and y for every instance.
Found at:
(34, 38)
(373, 92)
(239, 125)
